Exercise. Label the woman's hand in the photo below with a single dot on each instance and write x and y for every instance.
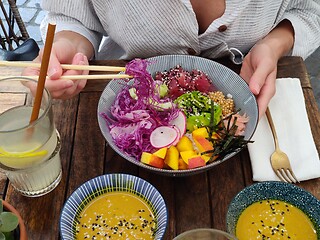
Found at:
(65, 50)
(259, 68)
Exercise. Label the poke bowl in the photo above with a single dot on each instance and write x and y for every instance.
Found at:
(274, 210)
(163, 140)
(95, 210)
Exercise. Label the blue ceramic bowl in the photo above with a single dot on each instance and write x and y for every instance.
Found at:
(109, 183)
(222, 77)
(287, 192)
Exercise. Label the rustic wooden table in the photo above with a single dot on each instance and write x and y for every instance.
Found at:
(194, 201)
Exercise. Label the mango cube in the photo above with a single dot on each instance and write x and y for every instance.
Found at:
(184, 144)
(185, 155)
(152, 160)
(203, 144)
(172, 158)
(200, 132)
(196, 161)
(182, 165)
(161, 153)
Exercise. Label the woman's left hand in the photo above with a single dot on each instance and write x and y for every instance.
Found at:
(259, 70)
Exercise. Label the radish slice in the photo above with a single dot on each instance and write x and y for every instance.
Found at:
(175, 142)
(180, 122)
(163, 136)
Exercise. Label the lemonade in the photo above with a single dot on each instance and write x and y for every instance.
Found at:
(29, 153)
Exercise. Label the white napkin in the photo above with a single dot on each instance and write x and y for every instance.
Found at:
(290, 118)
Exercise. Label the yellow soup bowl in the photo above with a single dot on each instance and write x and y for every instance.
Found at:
(274, 210)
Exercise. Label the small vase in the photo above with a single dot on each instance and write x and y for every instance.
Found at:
(22, 228)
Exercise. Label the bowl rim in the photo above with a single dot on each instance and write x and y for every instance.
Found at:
(235, 204)
(212, 230)
(113, 176)
(184, 172)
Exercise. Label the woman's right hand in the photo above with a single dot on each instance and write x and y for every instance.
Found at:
(64, 51)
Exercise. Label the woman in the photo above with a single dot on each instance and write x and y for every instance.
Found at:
(263, 30)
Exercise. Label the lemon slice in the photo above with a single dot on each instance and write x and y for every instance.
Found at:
(27, 154)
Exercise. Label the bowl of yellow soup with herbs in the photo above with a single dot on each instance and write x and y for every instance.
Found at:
(114, 206)
(274, 210)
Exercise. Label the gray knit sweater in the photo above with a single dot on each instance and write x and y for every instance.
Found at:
(145, 28)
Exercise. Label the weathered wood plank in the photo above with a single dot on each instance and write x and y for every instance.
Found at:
(226, 180)
(88, 148)
(192, 202)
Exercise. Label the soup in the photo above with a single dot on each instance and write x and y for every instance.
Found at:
(274, 219)
(116, 215)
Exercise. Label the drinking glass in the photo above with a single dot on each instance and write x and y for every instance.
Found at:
(205, 234)
(29, 151)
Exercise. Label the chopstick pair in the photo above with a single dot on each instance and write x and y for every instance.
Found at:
(74, 67)
(78, 77)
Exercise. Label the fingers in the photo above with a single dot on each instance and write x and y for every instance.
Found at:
(60, 88)
(31, 71)
(79, 59)
(55, 70)
(266, 92)
(58, 85)
(246, 70)
(260, 74)
(67, 88)
(61, 52)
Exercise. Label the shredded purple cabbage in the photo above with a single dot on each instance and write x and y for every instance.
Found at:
(132, 138)
(134, 120)
(143, 81)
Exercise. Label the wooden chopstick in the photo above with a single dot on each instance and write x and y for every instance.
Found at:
(65, 66)
(78, 77)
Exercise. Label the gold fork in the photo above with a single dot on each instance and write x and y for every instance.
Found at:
(279, 160)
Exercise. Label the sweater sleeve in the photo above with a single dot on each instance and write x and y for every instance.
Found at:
(73, 15)
(305, 19)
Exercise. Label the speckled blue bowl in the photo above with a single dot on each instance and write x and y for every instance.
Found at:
(287, 192)
(222, 77)
(95, 187)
